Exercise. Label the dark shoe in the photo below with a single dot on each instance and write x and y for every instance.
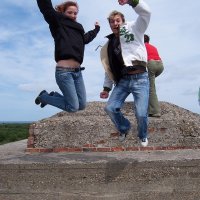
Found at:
(37, 100)
(155, 115)
(122, 136)
(42, 105)
(51, 93)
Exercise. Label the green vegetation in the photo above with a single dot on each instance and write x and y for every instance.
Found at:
(13, 132)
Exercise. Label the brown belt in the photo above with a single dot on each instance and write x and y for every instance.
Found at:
(138, 62)
(136, 72)
(136, 68)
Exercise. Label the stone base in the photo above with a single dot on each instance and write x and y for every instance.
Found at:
(92, 130)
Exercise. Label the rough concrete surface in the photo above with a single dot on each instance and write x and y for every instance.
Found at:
(176, 127)
(138, 175)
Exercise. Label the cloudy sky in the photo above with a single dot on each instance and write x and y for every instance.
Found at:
(27, 64)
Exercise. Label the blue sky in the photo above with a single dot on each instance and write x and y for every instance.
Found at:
(27, 54)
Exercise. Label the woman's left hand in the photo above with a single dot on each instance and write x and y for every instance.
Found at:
(97, 24)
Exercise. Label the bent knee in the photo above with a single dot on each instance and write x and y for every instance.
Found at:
(71, 109)
(75, 108)
(110, 108)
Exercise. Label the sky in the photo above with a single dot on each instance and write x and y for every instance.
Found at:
(27, 63)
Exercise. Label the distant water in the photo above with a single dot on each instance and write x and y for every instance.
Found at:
(16, 122)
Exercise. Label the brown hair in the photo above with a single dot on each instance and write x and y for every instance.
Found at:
(62, 7)
(115, 12)
(146, 38)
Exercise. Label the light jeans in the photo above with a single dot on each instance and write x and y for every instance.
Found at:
(138, 86)
(73, 97)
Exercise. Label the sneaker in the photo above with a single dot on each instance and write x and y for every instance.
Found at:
(144, 142)
(122, 137)
(37, 100)
(42, 105)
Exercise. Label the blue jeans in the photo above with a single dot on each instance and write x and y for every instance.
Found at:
(73, 97)
(138, 85)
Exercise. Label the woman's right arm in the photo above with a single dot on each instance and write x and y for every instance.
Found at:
(46, 8)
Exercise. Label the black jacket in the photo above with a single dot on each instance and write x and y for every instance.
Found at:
(69, 36)
(115, 57)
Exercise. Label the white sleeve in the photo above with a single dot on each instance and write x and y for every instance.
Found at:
(143, 10)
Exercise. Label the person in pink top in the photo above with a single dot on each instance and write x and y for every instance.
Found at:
(155, 68)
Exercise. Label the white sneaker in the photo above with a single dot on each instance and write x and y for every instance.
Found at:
(144, 142)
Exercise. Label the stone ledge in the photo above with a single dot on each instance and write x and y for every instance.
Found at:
(107, 149)
(96, 176)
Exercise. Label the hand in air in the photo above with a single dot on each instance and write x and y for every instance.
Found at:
(122, 2)
(97, 24)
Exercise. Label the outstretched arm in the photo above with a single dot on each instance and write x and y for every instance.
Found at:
(142, 9)
(46, 8)
(90, 35)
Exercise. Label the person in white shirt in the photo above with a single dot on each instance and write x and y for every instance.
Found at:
(124, 58)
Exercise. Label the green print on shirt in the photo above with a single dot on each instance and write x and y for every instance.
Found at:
(128, 36)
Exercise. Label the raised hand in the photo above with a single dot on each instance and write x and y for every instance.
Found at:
(122, 2)
(96, 24)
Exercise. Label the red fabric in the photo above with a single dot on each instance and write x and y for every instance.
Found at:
(152, 52)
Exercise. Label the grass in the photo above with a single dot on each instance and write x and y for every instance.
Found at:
(13, 132)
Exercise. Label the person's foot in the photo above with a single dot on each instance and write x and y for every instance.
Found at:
(37, 100)
(144, 142)
(122, 136)
(155, 115)
(42, 105)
